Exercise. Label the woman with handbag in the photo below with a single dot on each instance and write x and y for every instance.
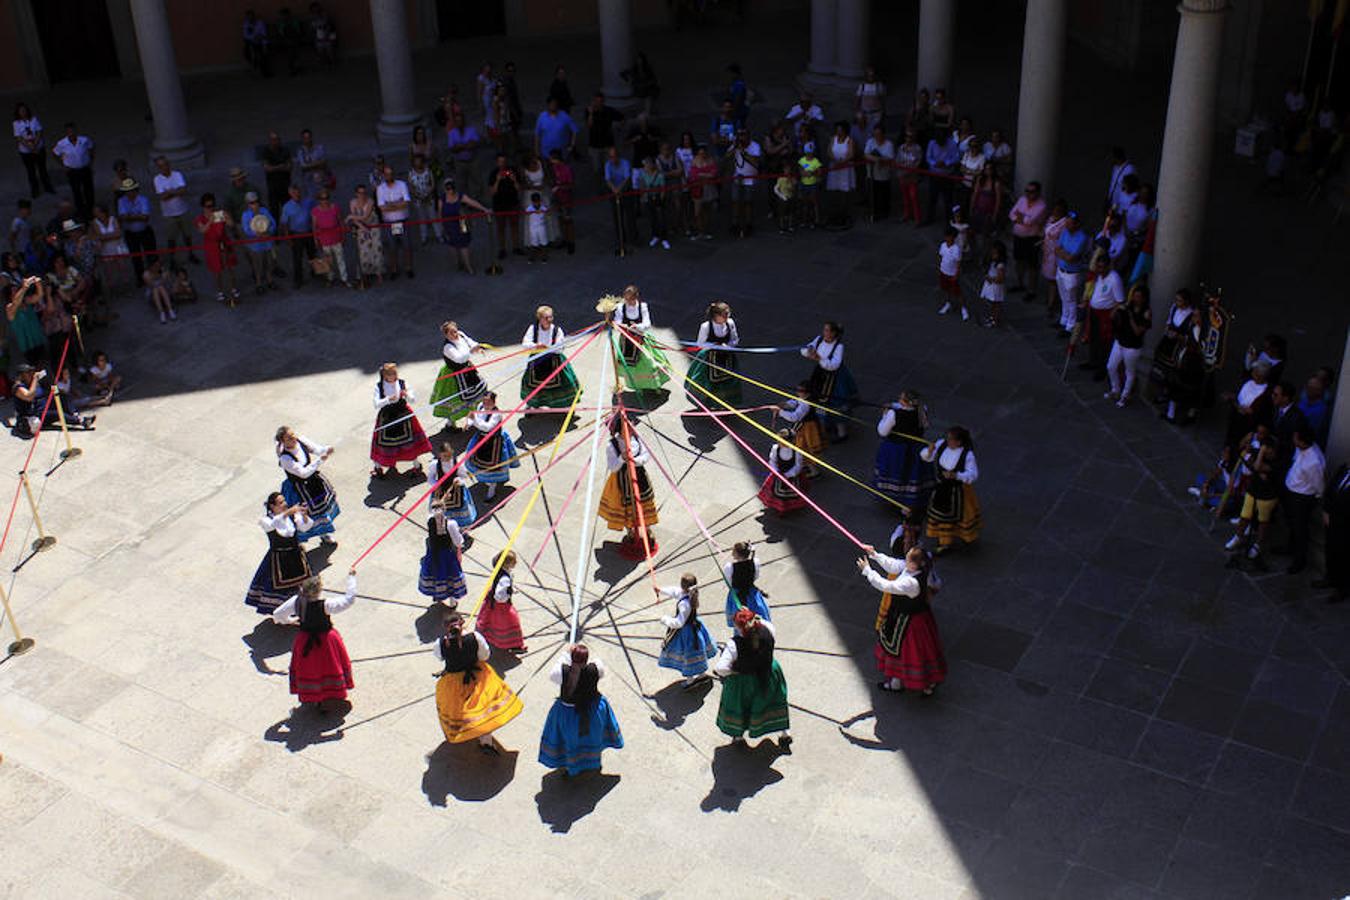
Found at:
(457, 233)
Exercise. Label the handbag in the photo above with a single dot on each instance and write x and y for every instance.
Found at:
(320, 265)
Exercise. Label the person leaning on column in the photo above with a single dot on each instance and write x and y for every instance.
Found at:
(1336, 546)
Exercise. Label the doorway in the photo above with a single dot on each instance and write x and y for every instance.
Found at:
(76, 39)
(470, 18)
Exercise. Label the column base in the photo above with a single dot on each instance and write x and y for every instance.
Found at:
(396, 128)
(185, 153)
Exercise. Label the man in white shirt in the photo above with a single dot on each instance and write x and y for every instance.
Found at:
(1302, 488)
(745, 158)
(1120, 167)
(1108, 292)
(171, 189)
(394, 201)
(76, 152)
(805, 110)
(880, 154)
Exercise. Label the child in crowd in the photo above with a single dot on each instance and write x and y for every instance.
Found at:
(1208, 488)
(21, 230)
(157, 290)
(992, 289)
(809, 169)
(182, 290)
(103, 380)
(784, 189)
(536, 228)
(949, 274)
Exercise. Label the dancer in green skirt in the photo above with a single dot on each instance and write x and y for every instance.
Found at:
(713, 368)
(640, 371)
(754, 692)
(562, 386)
(459, 387)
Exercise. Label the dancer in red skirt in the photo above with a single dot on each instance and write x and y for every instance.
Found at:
(321, 671)
(498, 622)
(398, 435)
(787, 462)
(909, 650)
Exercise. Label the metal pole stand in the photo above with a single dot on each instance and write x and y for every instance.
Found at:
(494, 266)
(71, 451)
(21, 644)
(44, 540)
(618, 223)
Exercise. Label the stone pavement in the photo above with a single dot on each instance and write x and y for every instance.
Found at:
(1124, 717)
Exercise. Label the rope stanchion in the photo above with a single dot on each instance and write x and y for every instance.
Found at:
(71, 451)
(20, 644)
(44, 540)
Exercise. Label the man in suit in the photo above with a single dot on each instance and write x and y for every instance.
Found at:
(1285, 419)
(1336, 518)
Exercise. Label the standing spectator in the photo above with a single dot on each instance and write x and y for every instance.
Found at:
(259, 224)
(1336, 519)
(972, 164)
(840, 179)
(394, 201)
(313, 162)
(1107, 295)
(1273, 351)
(618, 176)
(76, 152)
(1028, 216)
(463, 141)
(1055, 223)
(217, 228)
(943, 112)
(909, 160)
(364, 220)
(536, 228)
(722, 134)
(504, 191)
(880, 154)
(324, 30)
(515, 113)
(646, 86)
(112, 248)
(422, 187)
(297, 224)
(600, 121)
(1129, 324)
(485, 86)
(560, 92)
(554, 130)
(653, 182)
(255, 44)
(564, 184)
(1314, 405)
(240, 188)
(738, 92)
(702, 191)
(805, 112)
(534, 177)
(1302, 487)
(32, 149)
(277, 165)
(986, 199)
(328, 233)
(672, 170)
(919, 119)
(745, 160)
(777, 148)
(949, 274)
(1115, 188)
(171, 189)
(21, 230)
(133, 211)
(943, 157)
(870, 98)
(290, 38)
(421, 145)
(1071, 251)
(999, 154)
(809, 174)
(1250, 406)
(1285, 419)
(992, 291)
(1138, 216)
(497, 116)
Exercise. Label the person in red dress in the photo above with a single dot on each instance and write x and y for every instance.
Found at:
(909, 649)
(498, 622)
(215, 226)
(321, 670)
(398, 435)
(776, 493)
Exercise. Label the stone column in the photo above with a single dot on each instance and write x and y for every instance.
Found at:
(937, 26)
(1188, 145)
(393, 57)
(616, 47)
(1338, 441)
(852, 32)
(162, 85)
(823, 48)
(1038, 103)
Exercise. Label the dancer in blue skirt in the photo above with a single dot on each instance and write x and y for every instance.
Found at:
(832, 384)
(441, 576)
(687, 646)
(451, 494)
(491, 459)
(300, 458)
(581, 725)
(741, 574)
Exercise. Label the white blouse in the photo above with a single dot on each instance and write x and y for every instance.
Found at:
(285, 613)
(484, 651)
(449, 526)
(485, 419)
(887, 423)
(683, 609)
(636, 448)
(435, 472)
(565, 659)
(948, 457)
(793, 470)
(794, 411)
(904, 583)
(391, 394)
(290, 459)
(502, 592)
(1250, 392)
(457, 351)
(285, 525)
(831, 353)
(642, 323)
(707, 329)
(543, 337)
(726, 662)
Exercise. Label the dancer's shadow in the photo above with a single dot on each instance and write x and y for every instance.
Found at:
(678, 703)
(564, 800)
(320, 557)
(611, 566)
(704, 435)
(306, 726)
(266, 640)
(484, 504)
(466, 773)
(741, 772)
(503, 661)
(386, 492)
(431, 624)
(775, 526)
(540, 428)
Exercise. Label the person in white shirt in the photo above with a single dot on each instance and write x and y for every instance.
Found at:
(448, 481)
(953, 509)
(832, 385)
(440, 574)
(687, 646)
(492, 453)
(472, 701)
(713, 369)
(398, 435)
(395, 203)
(949, 274)
(626, 458)
(1108, 292)
(559, 385)
(580, 724)
(458, 385)
(76, 152)
(32, 149)
(284, 567)
(909, 648)
(754, 691)
(746, 155)
(879, 151)
(804, 111)
(321, 670)
(1303, 485)
(1120, 167)
(171, 189)
(643, 364)
(300, 458)
(536, 229)
(784, 490)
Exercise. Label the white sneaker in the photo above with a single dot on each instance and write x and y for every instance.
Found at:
(1234, 542)
(1123, 401)
(163, 318)
(946, 308)
(1253, 551)
(665, 245)
(1235, 520)
(1112, 395)
(965, 314)
(1193, 491)
(653, 242)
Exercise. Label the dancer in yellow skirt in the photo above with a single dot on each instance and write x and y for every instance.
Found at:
(953, 510)
(471, 700)
(804, 423)
(616, 502)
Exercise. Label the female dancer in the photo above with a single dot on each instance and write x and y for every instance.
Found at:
(804, 422)
(909, 650)
(321, 670)
(458, 386)
(580, 725)
(451, 494)
(831, 383)
(687, 646)
(1182, 321)
(616, 501)
(305, 485)
(398, 435)
(642, 371)
(562, 385)
(775, 493)
(713, 369)
(498, 620)
(953, 509)
(754, 692)
(491, 459)
(441, 576)
(900, 472)
(741, 574)
(285, 567)
(471, 700)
